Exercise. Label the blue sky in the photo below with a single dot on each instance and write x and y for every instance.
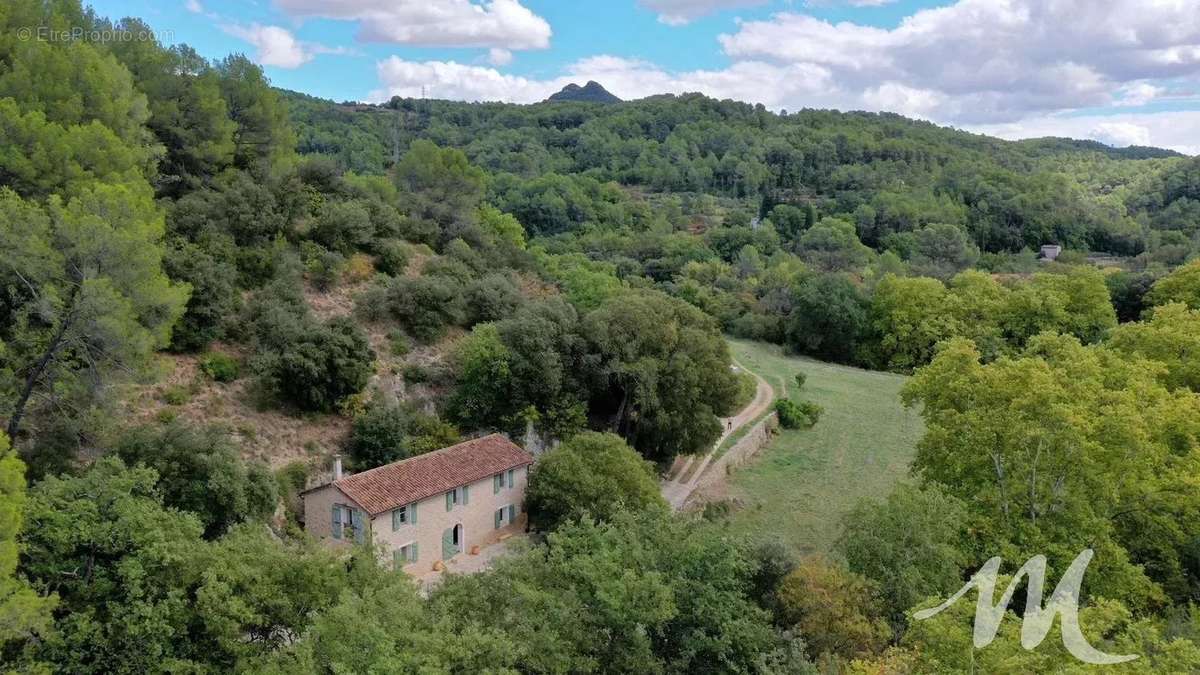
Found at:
(1120, 71)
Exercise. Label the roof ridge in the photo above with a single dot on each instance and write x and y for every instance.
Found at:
(423, 455)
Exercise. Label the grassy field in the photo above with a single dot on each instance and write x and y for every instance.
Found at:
(799, 486)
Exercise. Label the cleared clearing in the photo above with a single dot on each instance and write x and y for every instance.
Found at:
(800, 485)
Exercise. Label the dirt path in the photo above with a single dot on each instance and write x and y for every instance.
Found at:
(686, 472)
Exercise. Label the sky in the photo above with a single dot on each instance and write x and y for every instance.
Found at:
(1118, 71)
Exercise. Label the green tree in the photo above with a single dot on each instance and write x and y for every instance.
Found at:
(441, 186)
(263, 138)
(836, 610)
(832, 245)
(1181, 285)
(87, 298)
(1171, 336)
(199, 471)
(828, 318)
(592, 474)
(909, 545)
(23, 612)
(665, 369)
(1021, 441)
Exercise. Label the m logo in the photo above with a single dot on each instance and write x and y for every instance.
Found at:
(1038, 620)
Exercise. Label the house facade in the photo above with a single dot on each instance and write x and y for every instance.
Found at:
(427, 508)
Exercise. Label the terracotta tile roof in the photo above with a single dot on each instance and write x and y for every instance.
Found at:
(386, 487)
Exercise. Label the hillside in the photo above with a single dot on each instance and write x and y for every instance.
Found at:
(893, 174)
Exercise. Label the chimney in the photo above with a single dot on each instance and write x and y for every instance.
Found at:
(337, 467)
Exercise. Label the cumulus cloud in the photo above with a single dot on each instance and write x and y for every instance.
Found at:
(277, 46)
(1014, 68)
(680, 12)
(1177, 130)
(994, 60)
(769, 84)
(504, 24)
(499, 57)
(193, 6)
(1120, 134)
(1138, 94)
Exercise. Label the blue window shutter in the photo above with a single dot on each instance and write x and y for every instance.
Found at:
(413, 552)
(337, 521)
(450, 500)
(395, 519)
(397, 559)
(512, 513)
(356, 518)
(510, 477)
(496, 483)
(466, 494)
(412, 513)
(499, 514)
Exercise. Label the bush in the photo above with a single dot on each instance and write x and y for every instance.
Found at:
(593, 474)
(176, 395)
(199, 470)
(391, 257)
(319, 365)
(801, 378)
(794, 415)
(387, 432)
(359, 268)
(220, 367)
(399, 343)
(425, 305)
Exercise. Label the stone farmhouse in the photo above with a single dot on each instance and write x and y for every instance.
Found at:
(427, 508)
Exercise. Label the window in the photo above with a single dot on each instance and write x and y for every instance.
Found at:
(348, 522)
(404, 555)
(503, 479)
(505, 515)
(342, 520)
(405, 515)
(460, 495)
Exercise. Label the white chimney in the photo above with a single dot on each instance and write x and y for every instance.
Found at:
(337, 467)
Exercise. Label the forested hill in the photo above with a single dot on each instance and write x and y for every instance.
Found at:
(890, 173)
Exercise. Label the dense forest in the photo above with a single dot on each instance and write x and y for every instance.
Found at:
(420, 271)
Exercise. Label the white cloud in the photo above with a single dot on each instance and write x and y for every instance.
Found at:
(680, 12)
(1177, 130)
(193, 6)
(277, 46)
(1138, 94)
(1013, 68)
(505, 24)
(499, 57)
(1120, 134)
(769, 84)
(995, 60)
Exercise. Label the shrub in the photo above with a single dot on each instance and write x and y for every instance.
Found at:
(794, 415)
(801, 378)
(199, 470)
(388, 432)
(359, 268)
(176, 395)
(220, 367)
(391, 257)
(426, 305)
(399, 343)
(318, 366)
(592, 474)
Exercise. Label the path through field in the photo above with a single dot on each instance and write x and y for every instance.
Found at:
(686, 472)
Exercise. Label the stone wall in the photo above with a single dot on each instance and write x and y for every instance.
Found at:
(742, 451)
